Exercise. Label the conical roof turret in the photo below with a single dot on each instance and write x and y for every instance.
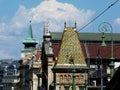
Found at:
(30, 41)
(30, 35)
(71, 49)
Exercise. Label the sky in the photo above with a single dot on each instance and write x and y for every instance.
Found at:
(16, 14)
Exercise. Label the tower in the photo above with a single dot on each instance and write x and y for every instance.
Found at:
(46, 35)
(29, 43)
(27, 58)
(47, 59)
(70, 69)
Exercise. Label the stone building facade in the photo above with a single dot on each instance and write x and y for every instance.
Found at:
(68, 60)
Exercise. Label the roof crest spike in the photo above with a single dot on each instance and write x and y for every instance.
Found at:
(30, 35)
(75, 24)
(65, 25)
(46, 31)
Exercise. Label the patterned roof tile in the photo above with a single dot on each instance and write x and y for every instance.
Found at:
(70, 49)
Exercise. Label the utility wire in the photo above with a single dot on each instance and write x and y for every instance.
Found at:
(98, 15)
(95, 18)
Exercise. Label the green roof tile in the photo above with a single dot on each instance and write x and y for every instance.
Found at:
(70, 49)
(88, 36)
(30, 38)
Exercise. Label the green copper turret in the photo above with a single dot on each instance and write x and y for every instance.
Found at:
(30, 35)
(29, 42)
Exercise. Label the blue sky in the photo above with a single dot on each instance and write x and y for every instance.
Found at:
(16, 14)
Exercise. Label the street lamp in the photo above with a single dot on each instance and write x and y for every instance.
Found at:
(71, 60)
(73, 75)
(74, 78)
(99, 60)
(112, 59)
(104, 27)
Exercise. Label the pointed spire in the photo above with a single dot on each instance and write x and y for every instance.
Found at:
(71, 47)
(75, 24)
(30, 40)
(30, 35)
(47, 34)
(29, 43)
(65, 26)
(46, 31)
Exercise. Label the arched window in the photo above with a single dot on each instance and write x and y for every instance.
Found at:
(61, 79)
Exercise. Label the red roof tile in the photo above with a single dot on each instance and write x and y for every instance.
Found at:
(38, 55)
(94, 50)
(56, 48)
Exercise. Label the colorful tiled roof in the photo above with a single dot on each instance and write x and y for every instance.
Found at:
(93, 50)
(70, 50)
(93, 42)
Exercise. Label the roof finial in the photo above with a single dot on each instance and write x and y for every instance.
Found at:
(75, 24)
(65, 26)
(46, 31)
(30, 35)
(30, 21)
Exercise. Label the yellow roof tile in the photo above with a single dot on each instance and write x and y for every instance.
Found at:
(70, 49)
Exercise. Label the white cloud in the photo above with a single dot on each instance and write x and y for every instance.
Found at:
(116, 25)
(50, 11)
(3, 28)
(57, 12)
(47, 11)
(117, 21)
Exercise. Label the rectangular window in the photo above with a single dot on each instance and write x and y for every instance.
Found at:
(66, 87)
(82, 87)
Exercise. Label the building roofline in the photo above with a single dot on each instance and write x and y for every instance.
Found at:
(88, 36)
